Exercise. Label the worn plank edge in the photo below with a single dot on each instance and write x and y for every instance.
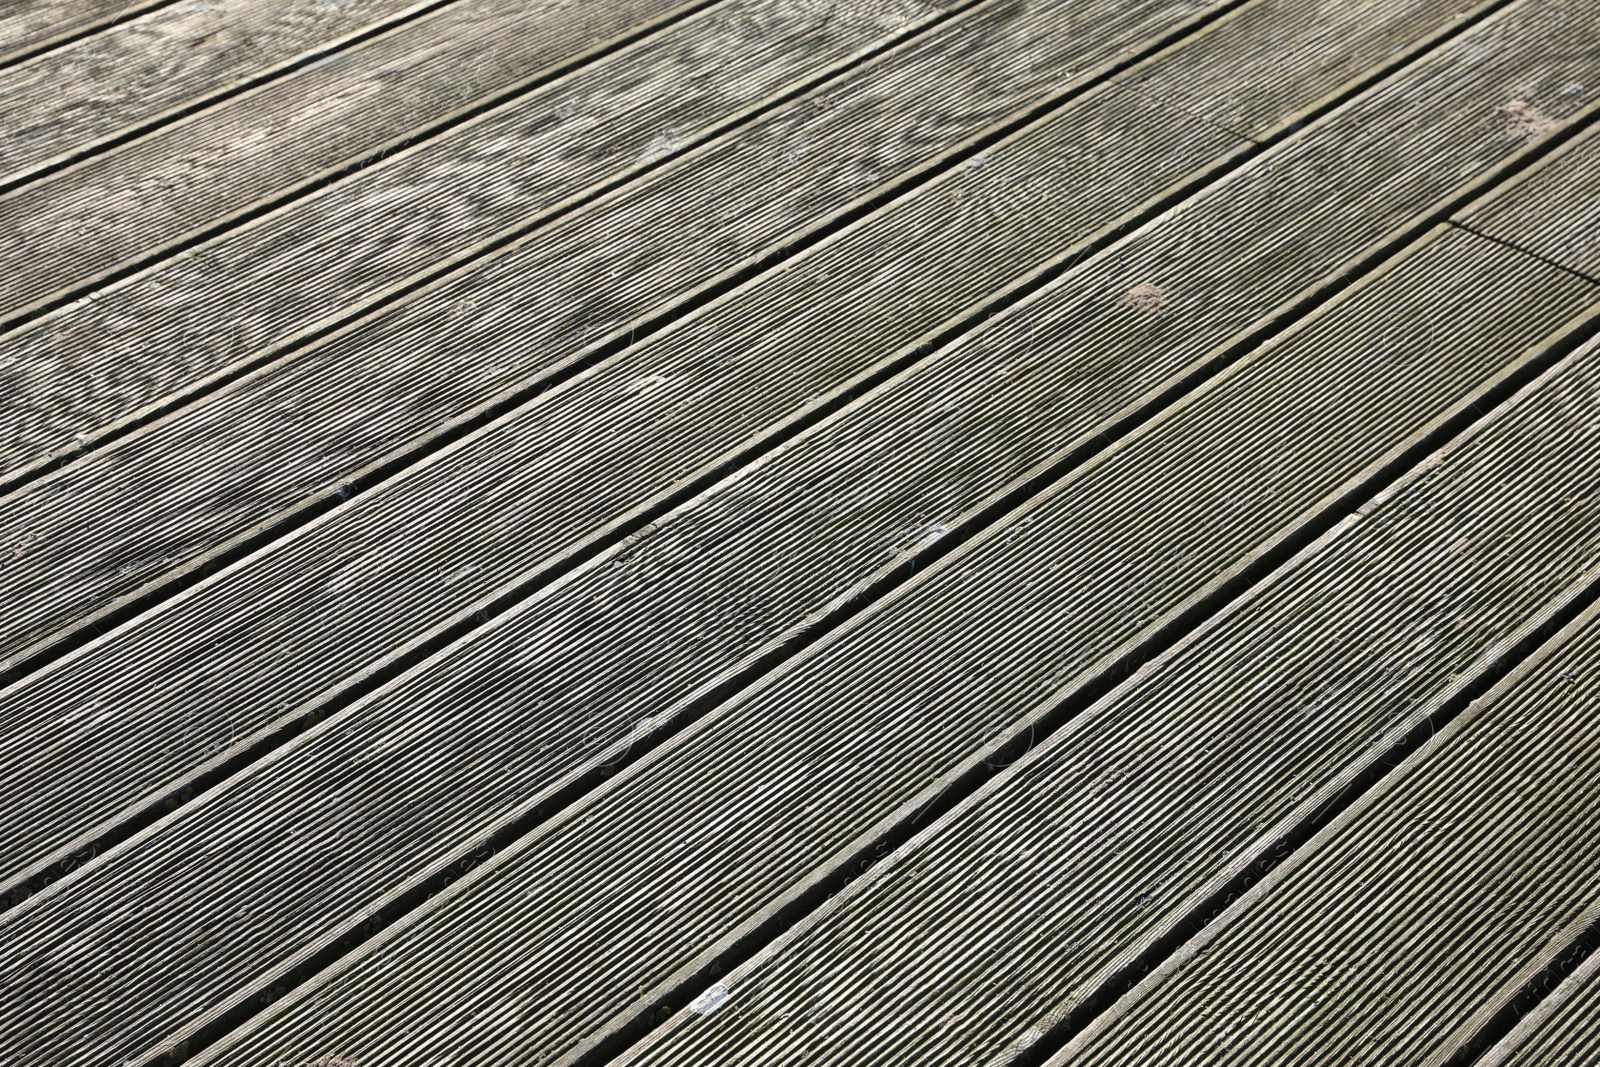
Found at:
(1562, 990)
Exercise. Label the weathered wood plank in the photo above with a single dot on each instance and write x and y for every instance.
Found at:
(296, 431)
(146, 198)
(1554, 213)
(143, 345)
(1563, 1029)
(29, 26)
(512, 503)
(580, 926)
(1414, 917)
(64, 104)
(729, 630)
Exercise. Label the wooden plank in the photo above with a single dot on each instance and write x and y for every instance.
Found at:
(68, 102)
(1414, 918)
(151, 196)
(123, 523)
(576, 930)
(1554, 214)
(31, 26)
(1563, 1029)
(184, 325)
(641, 685)
(205, 676)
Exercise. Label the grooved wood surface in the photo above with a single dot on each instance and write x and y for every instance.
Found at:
(1565, 1027)
(64, 102)
(330, 571)
(371, 576)
(298, 429)
(694, 839)
(79, 225)
(776, 531)
(1554, 213)
(27, 26)
(182, 324)
(1403, 926)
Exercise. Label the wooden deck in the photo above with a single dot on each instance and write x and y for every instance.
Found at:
(799, 531)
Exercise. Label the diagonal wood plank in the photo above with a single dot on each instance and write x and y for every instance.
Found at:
(638, 888)
(67, 103)
(1124, 154)
(298, 433)
(586, 603)
(972, 934)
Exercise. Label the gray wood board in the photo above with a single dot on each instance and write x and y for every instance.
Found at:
(529, 682)
(581, 921)
(77, 227)
(28, 26)
(1564, 1028)
(127, 517)
(60, 105)
(1403, 926)
(188, 682)
(188, 322)
(296, 430)
(1554, 213)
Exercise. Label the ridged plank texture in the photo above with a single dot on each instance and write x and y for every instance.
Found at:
(336, 565)
(27, 26)
(293, 432)
(1198, 81)
(152, 703)
(1554, 214)
(185, 323)
(613, 897)
(618, 644)
(1402, 926)
(61, 104)
(568, 733)
(1564, 1029)
(78, 226)
(956, 946)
